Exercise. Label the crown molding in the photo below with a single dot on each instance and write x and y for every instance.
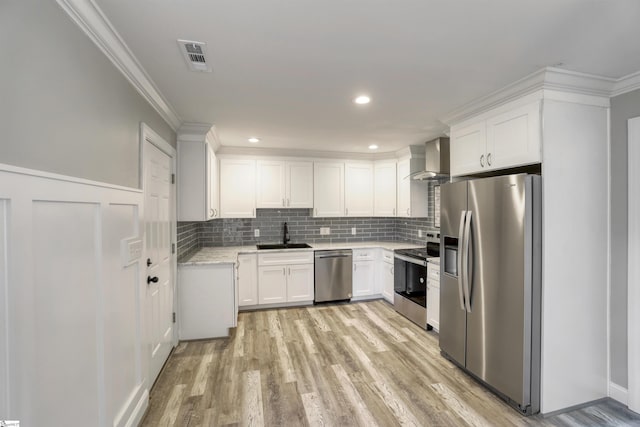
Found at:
(626, 84)
(545, 80)
(92, 21)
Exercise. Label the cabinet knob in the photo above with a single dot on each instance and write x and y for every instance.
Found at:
(482, 160)
(489, 159)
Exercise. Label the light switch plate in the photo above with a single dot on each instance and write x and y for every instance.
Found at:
(131, 250)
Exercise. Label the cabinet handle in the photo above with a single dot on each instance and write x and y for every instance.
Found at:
(289, 271)
(482, 160)
(489, 159)
(284, 271)
(283, 205)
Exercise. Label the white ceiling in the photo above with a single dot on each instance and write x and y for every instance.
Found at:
(287, 70)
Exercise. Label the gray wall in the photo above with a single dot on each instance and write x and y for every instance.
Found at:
(623, 107)
(64, 107)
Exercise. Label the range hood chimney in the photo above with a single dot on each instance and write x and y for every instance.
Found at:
(436, 160)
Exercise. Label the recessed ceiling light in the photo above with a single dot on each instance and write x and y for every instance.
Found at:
(362, 99)
(373, 147)
(253, 140)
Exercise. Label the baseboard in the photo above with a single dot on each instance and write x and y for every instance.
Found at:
(139, 410)
(618, 393)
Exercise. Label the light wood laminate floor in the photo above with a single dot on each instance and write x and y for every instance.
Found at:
(335, 365)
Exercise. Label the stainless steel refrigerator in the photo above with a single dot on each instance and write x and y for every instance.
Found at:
(490, 289)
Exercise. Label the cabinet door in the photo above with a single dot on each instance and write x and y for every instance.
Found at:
(387, 281)
(328, 189)
(358, 194)
(433, 305)
(211, 178)
(270, 184)
(384, 189)
(272, 284)
(468, 149)
(300, 282)
(191, 181)
(299, 185)
(363, 278)
(513, 138)
(237, 188)
(404, 188)
(247, 280)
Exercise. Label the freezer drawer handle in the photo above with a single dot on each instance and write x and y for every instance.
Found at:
(463, 217)
(467, 262)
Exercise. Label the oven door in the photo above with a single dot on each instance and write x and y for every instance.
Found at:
(410, 279)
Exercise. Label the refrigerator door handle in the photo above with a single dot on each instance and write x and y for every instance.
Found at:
(460, 262)
(467, 263)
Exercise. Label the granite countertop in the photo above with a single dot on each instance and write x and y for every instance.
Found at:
(229, 254)
(435, 260)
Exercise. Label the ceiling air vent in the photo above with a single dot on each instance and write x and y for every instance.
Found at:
(195, 55)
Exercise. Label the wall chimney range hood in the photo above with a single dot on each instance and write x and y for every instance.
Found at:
(436, 160)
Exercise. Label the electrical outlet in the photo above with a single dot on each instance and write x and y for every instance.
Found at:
(353, 231)
(325, 231)
(419, 233)
(256, 232)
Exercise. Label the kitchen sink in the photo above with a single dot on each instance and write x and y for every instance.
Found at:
(283, 246)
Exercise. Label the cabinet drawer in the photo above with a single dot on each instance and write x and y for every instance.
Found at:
(364, 254)
(387, 256)
(288, 258)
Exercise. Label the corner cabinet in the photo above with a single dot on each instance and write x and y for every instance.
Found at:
(358, 189)
(384, 182)
(283, 184)
(238, 188)
(505, 137)
(328, 185)
(197, 181)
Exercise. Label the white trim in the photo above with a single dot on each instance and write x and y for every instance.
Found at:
(617, 392)
(148, 134)
(90, 18)
(139, 411)
(626, 84)
(633, 267)
(64, 178)
(608, 326)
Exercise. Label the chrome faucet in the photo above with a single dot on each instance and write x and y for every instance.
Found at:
(285, 234)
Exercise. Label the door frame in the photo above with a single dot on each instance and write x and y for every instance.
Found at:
(149, 135)
(633, 269)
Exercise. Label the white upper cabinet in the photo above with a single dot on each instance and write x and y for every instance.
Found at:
(197, 181)
(328, 185)
(282, 184)
(503, 138)
(358, 194)
(270, 184)
(412, 194)
(237, 189)
(384, 188)
(299, 184)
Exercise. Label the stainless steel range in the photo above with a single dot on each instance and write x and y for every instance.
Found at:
(410, 279)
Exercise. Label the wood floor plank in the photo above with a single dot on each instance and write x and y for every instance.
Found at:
(335, 364)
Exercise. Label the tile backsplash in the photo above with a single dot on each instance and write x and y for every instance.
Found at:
(303, 227)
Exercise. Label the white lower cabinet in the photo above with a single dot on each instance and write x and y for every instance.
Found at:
(206, 298)
(385, 275)
(247, 279)
(433, 295)
(364, 282)
(285, 277)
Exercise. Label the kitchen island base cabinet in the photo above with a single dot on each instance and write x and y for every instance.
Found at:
(206, 301)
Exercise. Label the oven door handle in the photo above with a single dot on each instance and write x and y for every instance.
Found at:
(411, 260)
(460, 259)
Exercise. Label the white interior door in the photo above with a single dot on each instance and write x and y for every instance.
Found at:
(159, 295)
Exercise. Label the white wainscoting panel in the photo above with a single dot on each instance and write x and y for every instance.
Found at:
(74, 336)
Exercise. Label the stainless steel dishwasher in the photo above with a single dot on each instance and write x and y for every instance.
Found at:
(333, 275)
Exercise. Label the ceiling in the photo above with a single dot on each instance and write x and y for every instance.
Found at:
(286, 71)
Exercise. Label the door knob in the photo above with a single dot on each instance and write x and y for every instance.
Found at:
(149, 262)
(152, 279)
